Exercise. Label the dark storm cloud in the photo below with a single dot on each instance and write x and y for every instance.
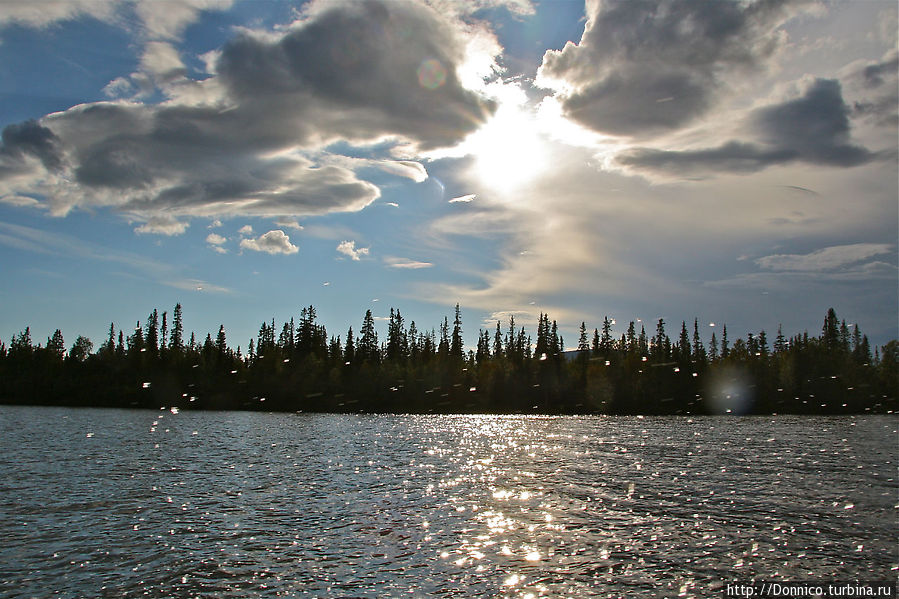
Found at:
(813, 128)
(878, 90)
(732, 156)
(816, 126)
(644, 66)
(357, 72)
(31, 139)
(876, 74)
(357, 68)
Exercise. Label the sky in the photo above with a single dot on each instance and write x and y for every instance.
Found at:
(731, 162)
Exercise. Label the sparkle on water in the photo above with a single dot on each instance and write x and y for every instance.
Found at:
(231, 504)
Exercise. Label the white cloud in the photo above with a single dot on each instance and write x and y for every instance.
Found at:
(196, 285)
(162, 225)
(14, 200)
(348, 248)
(119, 87)
(245, 230)
(288, 223)
(273, 242)
(406, 263)
(214, 224)
(465, 198)
(168, 21)
(249, 139)
(42, 14)
(644, 68)
(825, 259)
(216, 242)
(59, 244)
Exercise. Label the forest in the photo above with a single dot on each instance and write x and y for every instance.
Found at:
(299, 367)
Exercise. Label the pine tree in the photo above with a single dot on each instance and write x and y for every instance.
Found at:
(830, 332)
(582, 345)
(780, 344)
(605, 342)
(456, 344)
(56, 345)
(699, 354)
(221, 344)
(349, 350)
(498, 342)
(659, 351)
(163, 333)
(108, 348)
(152, 338)
(369, 349)
(176, 342)
(683, 344)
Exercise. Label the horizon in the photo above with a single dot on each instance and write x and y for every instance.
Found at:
(248, 159)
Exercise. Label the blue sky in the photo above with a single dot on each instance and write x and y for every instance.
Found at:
(733, 162)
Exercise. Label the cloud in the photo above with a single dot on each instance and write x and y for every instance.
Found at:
(825, 259)
(62, 245)
(646, 67)
(42, 14)
(216, 242)
(273, 242)
(404, 168)
(26, 140)
(257, 137)
(812, 128)
(196, 285)
(876, 84)
(288, 223)
(170, 21)
(397, 63)
(162, 225)
(465, 198)
(406, 263)
(245, 230)
(348, 248)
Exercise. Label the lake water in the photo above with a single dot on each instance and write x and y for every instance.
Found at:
(235, 504)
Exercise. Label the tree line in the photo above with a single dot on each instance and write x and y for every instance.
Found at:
(299, 367)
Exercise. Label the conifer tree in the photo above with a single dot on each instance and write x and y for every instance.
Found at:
(582, 345)
(152, 338)
(605, 342)
(176, 342)
(369, 349)
(163, 333)
(456, 343)
(349, 350)
(56, 345)
(498, 342)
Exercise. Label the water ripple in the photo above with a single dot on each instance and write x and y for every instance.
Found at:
(111, 503)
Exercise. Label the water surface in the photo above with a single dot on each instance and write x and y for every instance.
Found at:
(235, 504)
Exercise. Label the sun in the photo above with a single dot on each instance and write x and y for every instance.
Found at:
(508, 150)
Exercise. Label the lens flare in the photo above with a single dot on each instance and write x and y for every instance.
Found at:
(431, 74)
(729, 392)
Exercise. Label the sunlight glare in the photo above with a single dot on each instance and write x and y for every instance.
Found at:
(508, 150)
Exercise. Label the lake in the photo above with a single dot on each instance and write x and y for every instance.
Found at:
(233, 504)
